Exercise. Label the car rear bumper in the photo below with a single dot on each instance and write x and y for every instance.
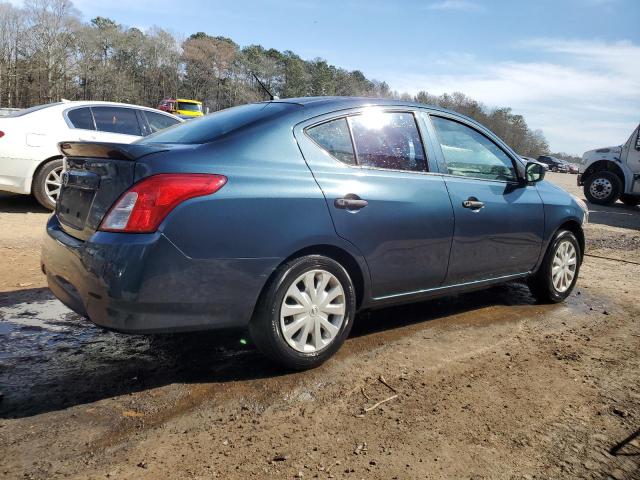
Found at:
(144, 284)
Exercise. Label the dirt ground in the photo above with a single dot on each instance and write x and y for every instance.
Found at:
(481, 385)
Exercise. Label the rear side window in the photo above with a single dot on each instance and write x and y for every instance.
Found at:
(211, 127)
(334, 137)
(116, 120)
(388, 140)
(158, 122)
(468, 153)
(81, 118)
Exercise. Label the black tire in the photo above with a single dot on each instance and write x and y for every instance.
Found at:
(630, 200)
(541, 282)
(611, 185)
(39, 188)
(265, 328)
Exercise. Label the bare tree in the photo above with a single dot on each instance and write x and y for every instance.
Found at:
(47, 53)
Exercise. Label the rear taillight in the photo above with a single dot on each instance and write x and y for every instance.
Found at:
(1, 134)
(144, 206)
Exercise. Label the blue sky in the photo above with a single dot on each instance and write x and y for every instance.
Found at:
(572, 67)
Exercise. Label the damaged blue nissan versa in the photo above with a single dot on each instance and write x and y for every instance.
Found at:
(287, 217)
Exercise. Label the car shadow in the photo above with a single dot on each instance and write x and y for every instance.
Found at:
(616, 215)
(53, 359)
(11, 203)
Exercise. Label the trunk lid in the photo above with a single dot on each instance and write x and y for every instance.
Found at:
(95, 176)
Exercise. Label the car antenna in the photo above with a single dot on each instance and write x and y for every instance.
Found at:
(271, 96)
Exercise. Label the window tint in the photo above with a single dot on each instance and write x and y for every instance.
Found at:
(388, 140)
(81, 118)
(158, 122)
(334, 137)
(468, 153)
(210, 127)
(116, 120)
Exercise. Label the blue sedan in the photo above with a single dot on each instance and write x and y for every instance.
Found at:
(287, 217)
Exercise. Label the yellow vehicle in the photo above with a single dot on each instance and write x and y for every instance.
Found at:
(182, 107)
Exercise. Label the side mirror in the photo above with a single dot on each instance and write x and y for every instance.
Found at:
(534, 172)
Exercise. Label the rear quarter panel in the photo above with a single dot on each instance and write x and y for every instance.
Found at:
(270, 207)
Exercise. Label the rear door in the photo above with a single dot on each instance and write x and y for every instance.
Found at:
(499, 222)
(372, 167)
(116, 124)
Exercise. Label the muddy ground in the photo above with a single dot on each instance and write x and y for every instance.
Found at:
(482, 385)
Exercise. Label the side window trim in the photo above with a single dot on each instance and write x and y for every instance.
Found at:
(347, 116)
(144, 122)
(442, 161)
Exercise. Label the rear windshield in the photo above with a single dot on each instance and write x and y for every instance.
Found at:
(211, 127)
(32, 109)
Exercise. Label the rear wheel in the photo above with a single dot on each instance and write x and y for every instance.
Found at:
(47, 183)
(556, 277)
(631, 200)
(603, 188)
(305, 313)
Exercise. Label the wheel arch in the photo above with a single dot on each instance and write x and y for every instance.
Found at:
(576, 228)
(354, 268)
(39, 167)
(605, 165)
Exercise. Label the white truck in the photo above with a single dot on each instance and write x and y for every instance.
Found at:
(612, 173)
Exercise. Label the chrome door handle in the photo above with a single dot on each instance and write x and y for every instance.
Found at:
(350, 202)
(473, 203)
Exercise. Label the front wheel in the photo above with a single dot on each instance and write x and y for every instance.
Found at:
(556, 277)
(306, 312)
(47, 183)
(603, 188)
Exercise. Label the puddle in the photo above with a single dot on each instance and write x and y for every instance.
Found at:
(51, 358)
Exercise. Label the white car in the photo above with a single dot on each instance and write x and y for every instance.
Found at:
(30, 162)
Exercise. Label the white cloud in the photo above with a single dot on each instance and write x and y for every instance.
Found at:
(459, 5)
(582, 94)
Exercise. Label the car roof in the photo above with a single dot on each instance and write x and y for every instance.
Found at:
(330, 104)
(316, 106)
(65, 104)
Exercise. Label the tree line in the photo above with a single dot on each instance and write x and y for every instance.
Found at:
(47, 53)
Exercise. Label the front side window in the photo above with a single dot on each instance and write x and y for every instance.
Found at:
(158, 121)
(116, 120)
(334, 137)
(468, 153)
(387, 140)
(81, 118)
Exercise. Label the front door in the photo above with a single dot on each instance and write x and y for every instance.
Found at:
(631, 152)
(499, 222)
(372, 168)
